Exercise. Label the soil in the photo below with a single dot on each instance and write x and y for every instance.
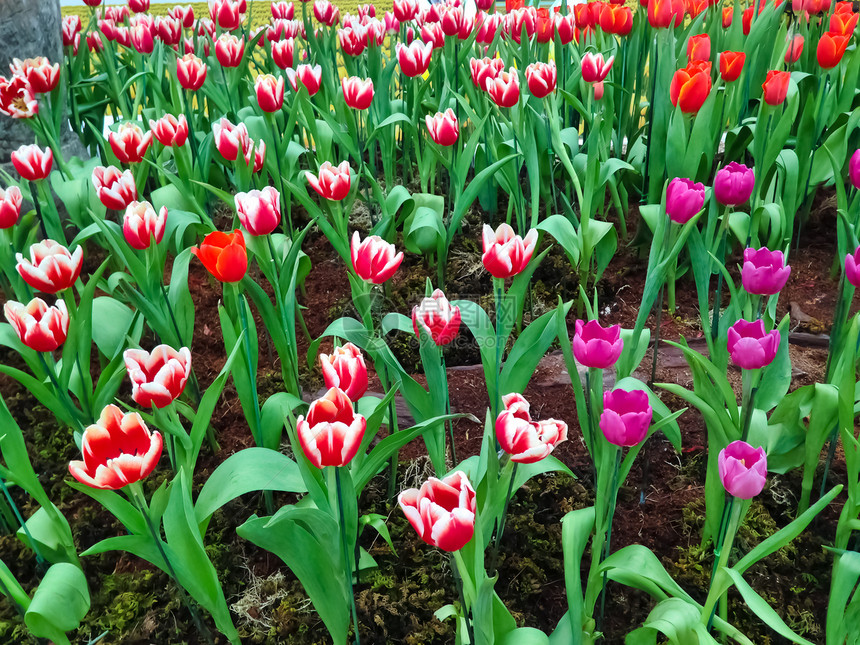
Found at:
(660, 505)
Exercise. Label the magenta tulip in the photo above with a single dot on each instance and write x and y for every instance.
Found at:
(852, 267)
(596, 346)
(743, 469)
(684, 199)
(626, 417)
(750, 346)
(734, 184)
(764, 272)
(854, 169)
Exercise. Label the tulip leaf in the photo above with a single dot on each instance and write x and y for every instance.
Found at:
(527, 352)
(13, 588)
(60, 603)
(116, 319)
(576, 528)
(676, 619)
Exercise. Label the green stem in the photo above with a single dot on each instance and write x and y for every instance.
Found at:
(345, 545)
(39, 557)
(721, 554)
(448, 423)
(500, 526)
(62, 394)
(464, 591)
(499, 292)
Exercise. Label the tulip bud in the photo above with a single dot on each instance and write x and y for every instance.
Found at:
(734, 184)
(224, 255)
(229, 50)
(191, 72)
(684, 199)
(750, 347)
(10, 206)
(731, 65)
(439, 320)
(795, 49)
(852, 267)
(764, 272)
(442, 511)
(357, 93)
(374, 260)
(270, 92)
(118, 450)
(38, 326)
(170, 131)
(541, 78)
(443, 127)
(258, 151)
(345, 369)
(259, 210)
(332, 433)
(32, 163)
(506, 254)
(115, 189)
(129, 143)
(743, 469)
(333, 181)
(51, 268)
(626, 417)
(775, 87)
(596, 346)
(141, 225)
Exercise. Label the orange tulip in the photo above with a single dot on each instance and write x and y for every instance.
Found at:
(690, 88)
(224, 255)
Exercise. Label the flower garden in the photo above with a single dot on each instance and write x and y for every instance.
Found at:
(433, 323)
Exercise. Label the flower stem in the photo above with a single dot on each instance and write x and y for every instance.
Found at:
(459, 564)
(347, 562)
(40, 560)
(500, 526)
(721, 555)
(499, 291)
(613, 492)
(449, 424)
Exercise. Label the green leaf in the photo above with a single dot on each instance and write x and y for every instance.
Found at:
(60, 603)
(115, 320)
(576, 528)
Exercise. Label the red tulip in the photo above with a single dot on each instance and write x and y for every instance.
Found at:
(594, 68)
(168, 30)
(731, 65)
(374, 260)
(185, 14)
(699, 48)
(443, 127)
(524, 19)
(695, 7)
(431, 32)
(282, 53)
(843, 24)
(830, 50)
(141, 225)
(32, 163)
(451, 20)
(689, 89)
(138, 6)
(94, 42)
(596, 346)
(259, 210)
(270, 92)
(224, 255)
(157, 379)
(51, 268)
(775, 87)
(191, 72)
(129, 143)
(541, 79)
(616, 19)
(565, 27)
(414, 59)
(663, 13)
(118, 15)
(439, 320)
(309, 76)
(140, 37)
(525, 440)
(333, 181)
(405, 10)
(115, 189)
(71, 28)
(505, 254)
(258, 151)
(230, 139)
(545, 26)
(170, 131)
(10, 206)
(728, 14)
(353, 40)
(17, 99)
(206, 28)
(326, 13)
(282, 10)
(108, 28)
(332, 433)
(40, 74)
(485, 69)
(795, 49)
(118, 450)
(229, 50)
(442, 511)
(226, 14)
(40, 327)
(345, 369)
(357, 93)
(504, 89)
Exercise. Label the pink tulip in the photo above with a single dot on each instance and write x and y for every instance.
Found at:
(226, 14)
(157, 379)
(437, 318)
(431, 32)
(541, 78)
(170, 131)
(229, 50)
(51, 268)
(442, 511)
(506, 254)
(357, 92)
(282, 10)
(451, 20)
(138, 6)
(750, 346)
(626, 417)
(684, 199)
(345, 369)
(168, 30)
(141, 38)
(129, 143)
(764, 272)
(118, 450)
(743, 469)
(141, 225)
(525, 440)
(333, 181)
(374, 260)
(443, 127)
(40, 327)
(259, 210)
(596, 346)
(33, 163)
(10, 206)
(405, 10)
(326, 13)
(270, 92)
(332, 433)
(185, 14)
(734, 184)
(852, 267)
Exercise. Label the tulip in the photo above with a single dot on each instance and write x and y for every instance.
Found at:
(258, 151)
(357, 93)
(309, 76)
(326, 13)
(282, 10)
(443, 127)
(94, 42)
(185, 14)
(506, 254)
(40, 327)
(545, 26)
(168, 30)
(699, 48)
(141, 39)
(51, 268)
(565, 26)
(17, 99)
(115, 189)
(392, 24)
(485, 69)
(333, 181)
(270, 92)
(689, 89)
(451, 20)
(224, 255)
(414, 59)
(731, 65)
(764, 272)
(32, 163)
(170, 131)
(366, 11)
(431, 32)
(10, 206)
(728, 15)
(626, 417)
(191, 72)
(230, 139)
(852, 267)
(442, 511)
(734, 184)
(226, 14)
(229, 50)
(138, 6)
(71, 28)
(743, 469)
(596, 346)
(118, 15)
(405, 10)
(750, 347)
(795, 49)
(141, 225)
(615, 19)
(439, 320)
(663, 13)
(374, 260)
(332, 433)
(775, 87)
(843, 24)
(830, 50)
(157, 379)
(746, 20)
(525, 440)
(684, 199)
(282, 53)
(594, 68)
(259, 210)
(345, 369)
(118, 450)
(206, 28)
(353, 40)
(39, 73)
(541, 78)
(108, 28)
(854, 169)
(504, 89)
(129, 143)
